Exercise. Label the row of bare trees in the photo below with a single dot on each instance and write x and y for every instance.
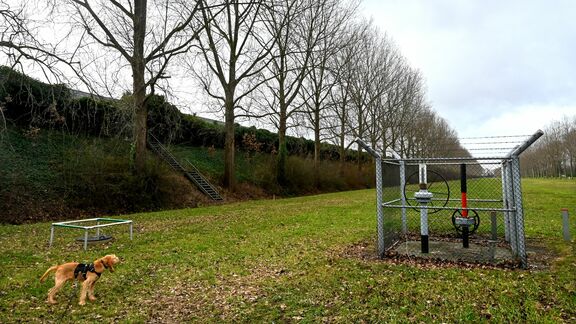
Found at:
(315, 68)
(310, 67)
(553, 155)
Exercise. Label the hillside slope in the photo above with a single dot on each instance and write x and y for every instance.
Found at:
(49, 174)
(52, 175)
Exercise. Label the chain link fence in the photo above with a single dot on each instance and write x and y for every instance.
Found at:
(486, 190)
(484, 198)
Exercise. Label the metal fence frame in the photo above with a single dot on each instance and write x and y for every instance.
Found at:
(512, 204)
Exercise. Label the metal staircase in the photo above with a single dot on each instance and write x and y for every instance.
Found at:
(191, 172)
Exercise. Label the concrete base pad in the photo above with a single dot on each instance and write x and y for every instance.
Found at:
(453, 251)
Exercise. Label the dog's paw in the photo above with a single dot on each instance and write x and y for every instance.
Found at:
(82, 303)
(92, 298)
(51, 302)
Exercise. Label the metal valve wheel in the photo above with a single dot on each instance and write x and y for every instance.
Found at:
(472, 229)
(437, 185)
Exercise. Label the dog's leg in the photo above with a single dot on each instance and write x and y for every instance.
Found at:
(91, 291)
(59, 282)
(84, 291)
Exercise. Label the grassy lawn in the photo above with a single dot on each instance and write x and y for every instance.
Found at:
(286, 260)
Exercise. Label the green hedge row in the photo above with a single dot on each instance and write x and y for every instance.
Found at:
(30, 103)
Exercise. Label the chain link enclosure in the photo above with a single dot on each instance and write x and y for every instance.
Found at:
(493, 197)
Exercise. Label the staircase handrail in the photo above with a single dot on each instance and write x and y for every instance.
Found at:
(161, 148)
(199, 173)
(166, 151)
(203, 178)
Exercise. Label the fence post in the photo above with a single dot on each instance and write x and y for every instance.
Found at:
(521, 247)
(512, 216)
(402, 197)
(51, 235)
(493, 222)
(379, 207)
(566, 225)
(505, 199)
(85, 239)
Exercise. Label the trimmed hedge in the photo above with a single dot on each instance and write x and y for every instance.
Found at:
(31, 103)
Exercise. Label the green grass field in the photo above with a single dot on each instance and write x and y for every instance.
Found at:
(296, 259)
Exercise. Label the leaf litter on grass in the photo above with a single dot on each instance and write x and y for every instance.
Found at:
(225, 298)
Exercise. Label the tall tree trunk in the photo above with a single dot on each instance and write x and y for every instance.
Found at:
(282, 149)
(342, 148)
(229, 146)
(317, 147)
(139, 86)
(359, 157)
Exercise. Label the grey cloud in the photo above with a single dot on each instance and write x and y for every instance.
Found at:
(482, 59)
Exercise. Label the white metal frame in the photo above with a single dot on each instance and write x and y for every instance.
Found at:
(98, 226)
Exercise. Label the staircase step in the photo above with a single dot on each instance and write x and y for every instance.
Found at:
(193, 175)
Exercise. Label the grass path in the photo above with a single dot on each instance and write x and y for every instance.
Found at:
(286, 260)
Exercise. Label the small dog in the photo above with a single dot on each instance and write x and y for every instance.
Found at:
(88, 274)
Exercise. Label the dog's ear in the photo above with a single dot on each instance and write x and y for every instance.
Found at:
(108, 262)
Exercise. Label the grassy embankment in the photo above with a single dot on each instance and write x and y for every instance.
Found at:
(286, 260)
(54, 175)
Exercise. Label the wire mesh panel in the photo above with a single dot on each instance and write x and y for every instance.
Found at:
(391, 193)
(472, 198)
(487, 193)
(483, 198)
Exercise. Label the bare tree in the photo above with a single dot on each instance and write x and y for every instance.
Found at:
(144, 37)
(553, 154)
(405, 102)
(371, 79)
(235, 50)
(293, 25)
(20, 43)
(568, 126)
(389, 68)
(322, 76)
(378, 97)
(342, 65)
(21, 48)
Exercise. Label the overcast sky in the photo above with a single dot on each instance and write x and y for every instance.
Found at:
(492, 67)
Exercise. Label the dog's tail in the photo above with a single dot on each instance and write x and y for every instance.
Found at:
(52, 268)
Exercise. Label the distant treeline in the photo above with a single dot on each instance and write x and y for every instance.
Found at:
(553, 155)
(29, 103)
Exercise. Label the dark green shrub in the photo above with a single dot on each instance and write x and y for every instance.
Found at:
(103, 180)
(164, 119)
(96, 117)
(28, 102)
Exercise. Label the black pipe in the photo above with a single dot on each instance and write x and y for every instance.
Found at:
(465, 237)
(464, 190)
(463, 186)
(424, 243)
